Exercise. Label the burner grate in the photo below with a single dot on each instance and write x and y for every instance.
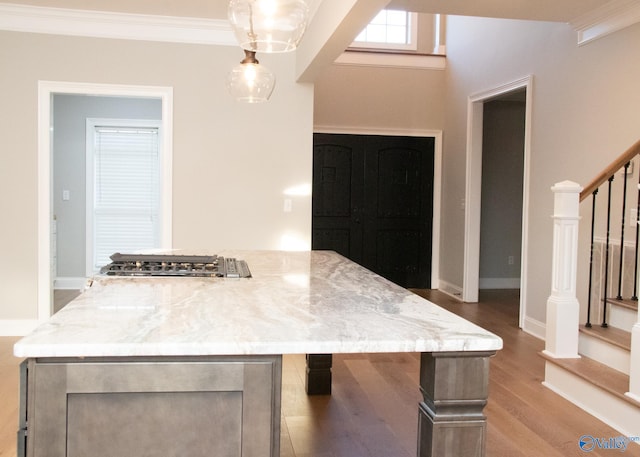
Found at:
(176, 265)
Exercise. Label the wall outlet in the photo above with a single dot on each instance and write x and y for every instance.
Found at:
(511, 260)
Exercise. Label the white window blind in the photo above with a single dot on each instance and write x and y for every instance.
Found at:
(126, 197)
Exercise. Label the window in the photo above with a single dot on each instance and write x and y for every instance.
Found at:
(123, 188)
(390, 29)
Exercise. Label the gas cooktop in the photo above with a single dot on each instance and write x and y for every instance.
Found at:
(176, 265)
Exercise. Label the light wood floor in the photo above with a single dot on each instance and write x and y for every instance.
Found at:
(372, 411)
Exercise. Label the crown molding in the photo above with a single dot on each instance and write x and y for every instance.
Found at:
(126, 26)
(612, 16)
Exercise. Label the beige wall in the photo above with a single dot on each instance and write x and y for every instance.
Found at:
(585, 113)
(231, 162)
(379, 98)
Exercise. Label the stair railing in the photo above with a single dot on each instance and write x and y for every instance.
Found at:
(562, 306)
(622, 163)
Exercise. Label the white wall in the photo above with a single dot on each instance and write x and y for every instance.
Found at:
(231, 162)
(585, 104)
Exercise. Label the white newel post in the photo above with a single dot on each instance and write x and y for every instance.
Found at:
(634, 369)
(563, 309)
(634, 357)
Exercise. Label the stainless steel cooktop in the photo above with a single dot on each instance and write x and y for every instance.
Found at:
(176, 265)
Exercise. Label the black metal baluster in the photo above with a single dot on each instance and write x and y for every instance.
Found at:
(593, 224)
(606, 259)
(635, 270)
(624, 210)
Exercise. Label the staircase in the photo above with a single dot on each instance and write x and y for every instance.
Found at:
(592, 354)
(599, 380)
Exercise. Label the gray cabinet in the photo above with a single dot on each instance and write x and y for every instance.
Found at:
(184, 406)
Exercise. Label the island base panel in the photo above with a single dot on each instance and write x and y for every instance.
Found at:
(318, 378)
(197, 406)
(455, 388)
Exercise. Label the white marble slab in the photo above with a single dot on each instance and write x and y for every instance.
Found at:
(296, 302)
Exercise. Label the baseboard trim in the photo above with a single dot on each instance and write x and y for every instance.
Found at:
(499, 283)
(70, 283)
(17, 327)
(450, 289)
(535, 328)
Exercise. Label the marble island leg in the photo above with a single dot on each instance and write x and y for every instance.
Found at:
(454, 386)
(318, 378)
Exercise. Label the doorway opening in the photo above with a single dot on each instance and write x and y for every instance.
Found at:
(517, 90)
(47, 248)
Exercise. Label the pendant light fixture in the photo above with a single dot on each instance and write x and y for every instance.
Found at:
(250, 82)
(268, 25)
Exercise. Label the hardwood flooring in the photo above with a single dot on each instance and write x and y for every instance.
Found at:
(372, 411)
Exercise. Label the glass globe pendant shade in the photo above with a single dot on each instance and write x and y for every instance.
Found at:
(268, 25)
(250, 82)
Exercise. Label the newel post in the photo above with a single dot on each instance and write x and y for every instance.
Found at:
(634, 369)
(634, 357)
(563, 309)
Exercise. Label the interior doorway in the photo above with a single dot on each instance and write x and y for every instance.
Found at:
(474, 185)
(46, 225)
(501, 199)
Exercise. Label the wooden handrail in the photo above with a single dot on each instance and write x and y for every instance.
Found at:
(608, 172)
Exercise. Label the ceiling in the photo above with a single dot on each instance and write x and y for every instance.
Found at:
(543, 10)
(334, 25)
(210, 9)
(538, 10)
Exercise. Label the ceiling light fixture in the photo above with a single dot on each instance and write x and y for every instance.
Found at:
(250, 82)
(268, 25)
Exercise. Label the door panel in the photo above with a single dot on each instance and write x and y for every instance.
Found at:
(390, 194)
(332, 174)
(336, 222)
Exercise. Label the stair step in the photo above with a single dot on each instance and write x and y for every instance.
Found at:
(624, 302)
(598, 374)
(611, 335)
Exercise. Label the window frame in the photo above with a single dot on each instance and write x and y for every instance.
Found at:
(412, 45)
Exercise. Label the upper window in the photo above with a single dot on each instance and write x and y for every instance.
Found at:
(390, 29)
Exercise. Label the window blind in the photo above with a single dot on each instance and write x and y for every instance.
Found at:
(126, 191)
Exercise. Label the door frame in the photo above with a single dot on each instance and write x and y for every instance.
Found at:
(46, 90)
(437, 178)
(475, 107)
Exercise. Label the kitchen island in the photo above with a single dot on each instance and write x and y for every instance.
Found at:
(192, 366)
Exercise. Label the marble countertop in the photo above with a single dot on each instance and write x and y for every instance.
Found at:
(295, 303)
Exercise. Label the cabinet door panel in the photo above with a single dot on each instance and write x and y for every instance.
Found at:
(153, 424)
(196, 406)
